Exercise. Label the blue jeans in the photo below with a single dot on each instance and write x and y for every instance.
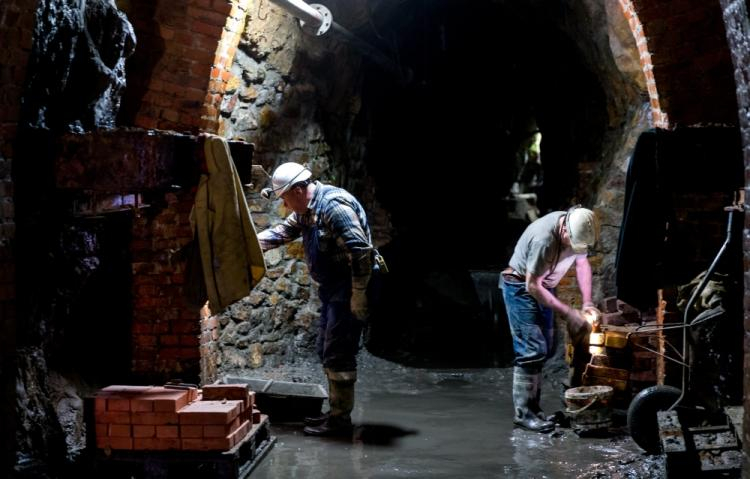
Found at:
(531, 326)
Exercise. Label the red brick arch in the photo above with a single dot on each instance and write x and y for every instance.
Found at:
(197, 43)
(658, 117)
(685, 59)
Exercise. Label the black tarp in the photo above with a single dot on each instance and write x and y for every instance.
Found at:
(652, 249)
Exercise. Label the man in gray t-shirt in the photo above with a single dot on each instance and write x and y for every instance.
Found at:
(545, 252)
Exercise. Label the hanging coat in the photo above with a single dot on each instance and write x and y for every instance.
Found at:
(231, 256)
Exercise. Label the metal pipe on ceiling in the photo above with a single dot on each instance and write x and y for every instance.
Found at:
(317, 20)
(312, 16)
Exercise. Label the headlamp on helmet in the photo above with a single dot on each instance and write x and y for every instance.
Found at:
(285, 176)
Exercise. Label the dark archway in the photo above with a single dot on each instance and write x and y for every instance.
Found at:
(443, 151)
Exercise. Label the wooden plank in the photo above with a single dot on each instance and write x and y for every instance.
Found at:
(660, 307)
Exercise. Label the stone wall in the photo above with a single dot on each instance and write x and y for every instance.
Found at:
(293, 96)
(737, 24)
(629, 116)
(16, 27)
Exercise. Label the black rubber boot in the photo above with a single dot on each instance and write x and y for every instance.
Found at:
(316, 420)
(525, 399)
(320, 418)
(334, 426)
(341, 400)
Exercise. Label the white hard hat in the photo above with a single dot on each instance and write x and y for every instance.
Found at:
(284, 177)
(582, 227)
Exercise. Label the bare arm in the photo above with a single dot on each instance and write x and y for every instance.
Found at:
(583, 275)
(543, 295)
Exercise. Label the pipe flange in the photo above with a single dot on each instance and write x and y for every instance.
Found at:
(324, 27)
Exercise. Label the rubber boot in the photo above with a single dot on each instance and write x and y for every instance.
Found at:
(535, 403)
(525, 387)
(341, 401)
(316, 420)
(320, 418)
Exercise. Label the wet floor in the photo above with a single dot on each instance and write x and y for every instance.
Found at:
(414, 423)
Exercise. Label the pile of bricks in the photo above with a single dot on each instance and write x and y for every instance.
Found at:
(157, 418)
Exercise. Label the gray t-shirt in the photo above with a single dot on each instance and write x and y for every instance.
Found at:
(540, 250)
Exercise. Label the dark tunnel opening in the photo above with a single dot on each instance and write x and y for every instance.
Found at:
(444, 151)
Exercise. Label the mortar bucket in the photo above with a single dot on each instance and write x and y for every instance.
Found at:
(588, 407)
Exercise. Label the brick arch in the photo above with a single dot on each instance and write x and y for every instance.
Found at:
(658, 117)
(685, 59)
(195, 43)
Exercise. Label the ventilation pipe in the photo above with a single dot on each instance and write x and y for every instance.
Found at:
(316, 19)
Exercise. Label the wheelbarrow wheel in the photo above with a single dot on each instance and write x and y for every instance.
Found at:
(642, 415)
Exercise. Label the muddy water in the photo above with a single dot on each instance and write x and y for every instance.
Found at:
(422, 423)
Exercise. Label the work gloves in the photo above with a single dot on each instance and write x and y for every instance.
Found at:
(361, 270)
(359, 303)
(578, 327)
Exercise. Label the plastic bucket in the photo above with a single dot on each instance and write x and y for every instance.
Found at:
(588, 407)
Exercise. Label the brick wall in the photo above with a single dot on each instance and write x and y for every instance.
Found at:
(16, 25)
(689, 92)
(177, 79)
(166, 330)
(195, 43)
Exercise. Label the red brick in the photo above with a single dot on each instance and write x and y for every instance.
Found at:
(100, 404)
(204, 444)
(144, 431)
(156, 443)
(210, 412)
(167, 431)
(221, 430)
(227, 7)
(237, 437)
(207, 16)
(114, 442)
(169, 400)
(156, 418)
(192, 432)
(119, 430)
(113, 417)
(118, 404)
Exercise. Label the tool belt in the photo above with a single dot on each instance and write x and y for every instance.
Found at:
(512, 276)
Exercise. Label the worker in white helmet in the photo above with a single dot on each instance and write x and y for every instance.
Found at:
(546, 250)
(339, 253)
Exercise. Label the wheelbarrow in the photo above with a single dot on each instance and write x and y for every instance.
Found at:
(647, 408)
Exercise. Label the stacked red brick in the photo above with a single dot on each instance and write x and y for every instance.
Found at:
(161, 418)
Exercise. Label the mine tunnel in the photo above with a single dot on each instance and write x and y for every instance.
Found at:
(455, 125)
(446, 147)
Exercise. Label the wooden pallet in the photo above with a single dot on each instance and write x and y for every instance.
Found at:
(236, 463)
(708, 451)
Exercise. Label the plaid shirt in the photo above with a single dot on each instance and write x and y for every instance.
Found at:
(344, 232)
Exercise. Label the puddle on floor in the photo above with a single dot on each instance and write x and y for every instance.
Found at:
(415, 423)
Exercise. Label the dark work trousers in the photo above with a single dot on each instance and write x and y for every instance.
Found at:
(339, 331)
